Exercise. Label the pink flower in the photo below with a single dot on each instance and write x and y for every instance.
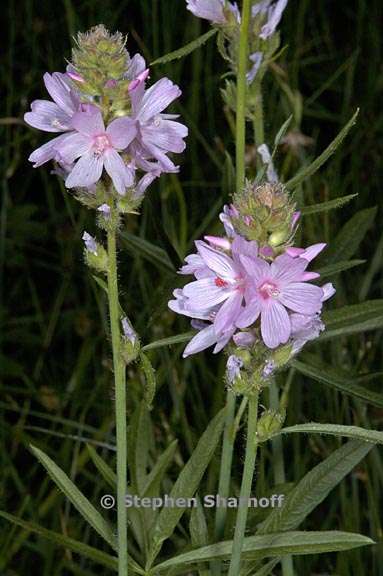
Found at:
(213, 10)
(97, 148)
(274, 289)
(157, 133)
(53, 116)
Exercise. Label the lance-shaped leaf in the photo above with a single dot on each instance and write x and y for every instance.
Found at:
(354, 432)
(332, 269)
(171, 341)
(77, 498)
(187, 482)
(309, 170)
(270, 545)
(314, 487)
(325, 206)
(105, 470)
(185, 50)
(338, 380)
(353, 319)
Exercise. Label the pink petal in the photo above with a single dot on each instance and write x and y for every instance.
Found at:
(60, 91)
(249, 314)
(255, 267)
(74, 146)
(328, 291)
(202, 340)
(157, 98)
(227, 314)
(275, 325)
(47, 116)
(301, 297)
(89, 121)
(121, 131)
(240, 246)
(309, 276)
(47, 151)
(312, 251)
(205, 293)
(87, 171)
(217, 261)
(286, 269)
(223, 340)
(115, 167)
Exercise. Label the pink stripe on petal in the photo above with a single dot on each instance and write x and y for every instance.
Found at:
(255, 267)
(205, 293)
(121, 132)
(89, 121)
(217, 261)
(87, 171)
(286, 269)
(249, 315)
(301, 297)
(115, 167)
(202, 340)
(275, 325)
(227, 314)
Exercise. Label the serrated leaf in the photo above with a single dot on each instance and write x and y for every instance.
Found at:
(188, 481)
(77, 498)
(354, 432)
(184, 337)
(332, 269)
(106, 472)
(314, 487)
(280, 544)
(69, 543)
(185, 50)
(353, 319)
(150, 378)
(308, 171)
(325, 206)
(338, 380)
(347, 242)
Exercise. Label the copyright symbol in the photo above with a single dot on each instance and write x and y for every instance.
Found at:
(107, 501)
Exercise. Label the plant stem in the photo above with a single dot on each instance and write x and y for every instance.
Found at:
(241, 95)
(247, 481)
(279, 469)
(120, 403)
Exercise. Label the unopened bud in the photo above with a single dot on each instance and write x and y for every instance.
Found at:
(269, 424)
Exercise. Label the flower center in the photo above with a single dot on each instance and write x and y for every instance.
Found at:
(268, 290)
(220, 283)
(101, 143)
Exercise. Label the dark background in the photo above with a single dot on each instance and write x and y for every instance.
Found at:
(55, 375)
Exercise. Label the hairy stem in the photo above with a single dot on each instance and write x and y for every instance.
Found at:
(279, 469)
(247, 481)
(120, 403)
(241, 95)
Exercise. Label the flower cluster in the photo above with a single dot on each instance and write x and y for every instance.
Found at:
(249, 294)
(111, 125)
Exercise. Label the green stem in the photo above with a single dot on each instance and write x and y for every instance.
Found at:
(225, 469)
(279, 469)
(120, 403)
(247, 481)
(258, 126)
(241, 95)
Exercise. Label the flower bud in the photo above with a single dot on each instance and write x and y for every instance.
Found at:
(266, 214)
(95, 254)
(130, 345)
(269, 424)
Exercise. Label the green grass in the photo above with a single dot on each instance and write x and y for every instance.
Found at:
(55, 363)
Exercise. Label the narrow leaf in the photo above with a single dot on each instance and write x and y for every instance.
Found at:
(336, 379)
(355, 432)
(353, 319)
(141, 247)
(338, 267)
(106, 472)
(154, 479)
(325, 206)
(188, 481)
(314, 487)
(69, 543)
(77, 498)
(308, 171)
(184, 337)
(281, 544)
(185, 50)
(347, 242)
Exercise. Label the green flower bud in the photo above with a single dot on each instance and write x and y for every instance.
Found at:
(269, 424)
